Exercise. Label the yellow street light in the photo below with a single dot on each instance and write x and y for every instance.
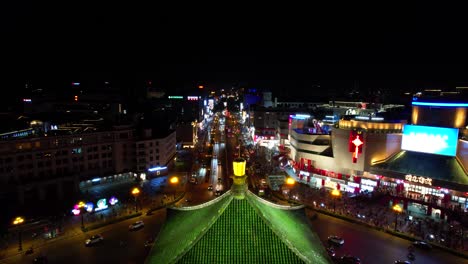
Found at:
(18, 220)
(81, 204)
(335, 193)
(174, 180)
(135, 191)
(397, 209)
(290, 181)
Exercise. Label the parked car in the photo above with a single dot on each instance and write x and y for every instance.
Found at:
(335, 240)
(136, 225)
(422, 244)
(331, 252)
(94, 240)
(210, 187)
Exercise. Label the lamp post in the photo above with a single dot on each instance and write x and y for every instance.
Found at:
(174, 180)
(335, 194)
(397, 209)
(290, 183)
(17, 222)
(135, 193)
(81, 206)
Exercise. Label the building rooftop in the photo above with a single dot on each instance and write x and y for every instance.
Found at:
(439, 167)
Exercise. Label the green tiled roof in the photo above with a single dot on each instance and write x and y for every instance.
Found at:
(438, 167)
(244, 231)
(182, 229)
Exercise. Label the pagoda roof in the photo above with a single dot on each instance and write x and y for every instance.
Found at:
(229, 230)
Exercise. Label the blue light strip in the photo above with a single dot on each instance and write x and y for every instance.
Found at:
(157, 169)
(440, 104)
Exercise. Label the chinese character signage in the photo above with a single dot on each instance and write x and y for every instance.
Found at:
(422, 180)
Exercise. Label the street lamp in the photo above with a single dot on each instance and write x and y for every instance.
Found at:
(397, 209)
(290, 182)
(174, 181)
(335, 194)
(135, 193)
(17, 222)
(81, 206)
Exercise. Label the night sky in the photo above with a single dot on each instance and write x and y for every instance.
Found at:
(278, 47)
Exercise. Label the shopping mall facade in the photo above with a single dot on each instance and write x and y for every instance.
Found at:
(422, 165)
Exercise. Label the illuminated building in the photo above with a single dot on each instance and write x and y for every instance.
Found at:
(421, 165)
(37, 167)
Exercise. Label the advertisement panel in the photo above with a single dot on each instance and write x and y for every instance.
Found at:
(428, 139)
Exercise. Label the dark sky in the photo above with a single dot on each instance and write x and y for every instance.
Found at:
(276, 46)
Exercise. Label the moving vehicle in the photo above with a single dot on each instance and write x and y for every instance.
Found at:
(350, 260)
(93, 240)
(335, 240)
(136, 225)
(422, 244)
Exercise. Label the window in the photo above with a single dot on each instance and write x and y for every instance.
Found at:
(76, 151)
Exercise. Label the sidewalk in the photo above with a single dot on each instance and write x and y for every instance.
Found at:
(71, 225)
(366, 210)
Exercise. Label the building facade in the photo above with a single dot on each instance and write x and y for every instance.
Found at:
(40, 168)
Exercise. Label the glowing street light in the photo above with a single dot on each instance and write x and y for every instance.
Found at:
(397, 209)
(17, 222)
(174, 180)
(290, 181)
(81, 206)
(135, 193)
(335, 194)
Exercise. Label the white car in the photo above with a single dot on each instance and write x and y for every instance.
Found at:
(93, 240)
(336, 240)
(136, 225)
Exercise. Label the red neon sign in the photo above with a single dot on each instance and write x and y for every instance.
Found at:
(355, 144)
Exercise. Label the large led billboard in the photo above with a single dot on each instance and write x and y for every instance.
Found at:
(428, 139)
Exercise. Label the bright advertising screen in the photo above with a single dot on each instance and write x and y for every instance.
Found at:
(428, 139)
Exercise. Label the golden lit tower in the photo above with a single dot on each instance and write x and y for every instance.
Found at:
(239, 187)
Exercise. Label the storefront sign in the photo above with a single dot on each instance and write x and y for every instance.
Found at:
(369, 182)
(414, 178)
(330, 184)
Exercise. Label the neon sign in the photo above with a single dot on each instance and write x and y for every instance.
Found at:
(355, 144)
(89, 207)
(113, 200)
(101, 205)
(157, 168)
(422, 180)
